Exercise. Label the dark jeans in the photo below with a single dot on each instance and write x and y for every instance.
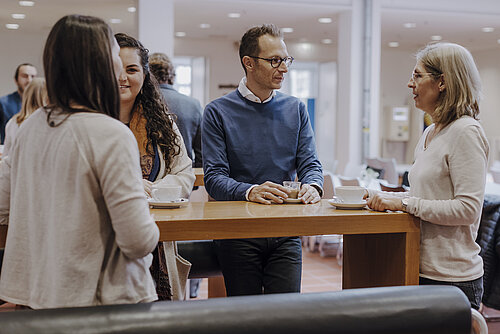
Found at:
(472, 289)
(264, 265)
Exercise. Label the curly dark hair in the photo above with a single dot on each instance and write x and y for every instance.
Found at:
(159, 122)
(162, 68)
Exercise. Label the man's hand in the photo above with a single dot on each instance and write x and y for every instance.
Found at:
(381, 202)
(309, 194)
(267, 193)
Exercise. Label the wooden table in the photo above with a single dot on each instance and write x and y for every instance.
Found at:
(380, 249)
(198, 172)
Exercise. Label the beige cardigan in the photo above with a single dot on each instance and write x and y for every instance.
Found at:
(181, 173)
(80, 232)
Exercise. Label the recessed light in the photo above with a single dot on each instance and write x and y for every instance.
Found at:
(287, 30)
(12, 26)
(204, 26)
(488, 29)
(436, 38)
(115, 21)
(305, 46)
(234, 15)
(180, 34)
(326, 41)
(325, 20)
(393, 44)
(18, 16)
(410, 25)
(132, 9)
(26, 3)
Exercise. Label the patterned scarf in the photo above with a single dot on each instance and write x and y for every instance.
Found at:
(150, 164)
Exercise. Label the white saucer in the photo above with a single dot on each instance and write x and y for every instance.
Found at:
(168, 205)
(292, 200)
(352, 206)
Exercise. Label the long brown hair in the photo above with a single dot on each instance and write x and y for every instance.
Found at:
(159, 122)
(34, 97)
(78, 65)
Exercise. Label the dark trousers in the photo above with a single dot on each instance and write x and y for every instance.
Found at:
(263, 265)
(472, 289)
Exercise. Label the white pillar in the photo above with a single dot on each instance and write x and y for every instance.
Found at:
(156, 25)
(354, 95)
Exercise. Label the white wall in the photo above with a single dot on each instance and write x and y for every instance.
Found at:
(18, 48)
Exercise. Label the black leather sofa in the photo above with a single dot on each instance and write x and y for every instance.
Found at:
(408, 310)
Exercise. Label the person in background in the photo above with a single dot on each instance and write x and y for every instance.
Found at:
(34, 97)
(253, 139)
(188, 118)
(163, 154)
(187, 109)
(80, 231)
(447, 179)
(11, 104)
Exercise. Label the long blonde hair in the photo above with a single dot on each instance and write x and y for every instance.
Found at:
(34, 97)
(461, 77)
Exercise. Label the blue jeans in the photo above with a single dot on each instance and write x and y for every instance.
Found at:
(263, 265)
(472, 289)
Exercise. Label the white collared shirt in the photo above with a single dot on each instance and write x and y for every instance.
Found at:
(247, 93)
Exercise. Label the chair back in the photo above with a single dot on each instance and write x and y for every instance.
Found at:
(328, 188)
(388, 166)
(391, 188)
(348, 181)
(479, 325)
(496, 175)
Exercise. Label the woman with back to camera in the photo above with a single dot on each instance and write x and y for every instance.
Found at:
(80, 232)
(448, 176)
(163, 153)
(34, 97)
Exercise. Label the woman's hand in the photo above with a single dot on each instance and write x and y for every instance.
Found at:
(148, 187)
(382, 202)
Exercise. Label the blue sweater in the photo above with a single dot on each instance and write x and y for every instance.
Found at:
(246, 143)
(9, 106)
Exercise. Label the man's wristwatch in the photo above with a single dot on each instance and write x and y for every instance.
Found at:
(404, 203)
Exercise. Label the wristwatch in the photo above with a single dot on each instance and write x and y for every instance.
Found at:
(404, 203)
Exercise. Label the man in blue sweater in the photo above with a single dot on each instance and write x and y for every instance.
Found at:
(11, 104)
(253, 139)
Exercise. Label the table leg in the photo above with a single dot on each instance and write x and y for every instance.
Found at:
(216, 287)
(380, 260)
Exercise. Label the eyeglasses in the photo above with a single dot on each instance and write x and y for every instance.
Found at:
(276, 61)
(417, 76)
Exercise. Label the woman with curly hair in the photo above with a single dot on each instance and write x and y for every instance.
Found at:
(162, 152)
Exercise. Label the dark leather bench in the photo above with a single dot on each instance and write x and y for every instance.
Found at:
(409, 310)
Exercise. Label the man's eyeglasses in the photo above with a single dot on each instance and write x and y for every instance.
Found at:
(276, 61)
(417, 76)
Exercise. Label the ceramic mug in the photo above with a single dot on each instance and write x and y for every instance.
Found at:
(350, 194)
(166, 193)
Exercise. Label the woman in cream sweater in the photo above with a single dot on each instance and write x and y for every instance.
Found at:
(448, 176)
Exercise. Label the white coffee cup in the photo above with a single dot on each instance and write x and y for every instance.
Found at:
(350, 194)
(166, 193)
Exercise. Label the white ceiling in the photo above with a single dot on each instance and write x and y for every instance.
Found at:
(453, 24)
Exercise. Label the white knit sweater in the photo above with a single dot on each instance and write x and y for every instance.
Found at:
(80, 232)
(447, 183)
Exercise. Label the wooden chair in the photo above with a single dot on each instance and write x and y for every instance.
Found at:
(348, 181)
(392, 188)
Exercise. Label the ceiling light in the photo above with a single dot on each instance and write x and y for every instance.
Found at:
(305, 46)
(180, 34)
(26, 3)
(326, 41)
(325, 20)
(132, 9)
(287, 30)
(12, 26)
(393, 44)
(204, 26)
(436, 38)
(234, 15)
(115, 21)
(488, 29)
(410, 25)
(18, 16)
